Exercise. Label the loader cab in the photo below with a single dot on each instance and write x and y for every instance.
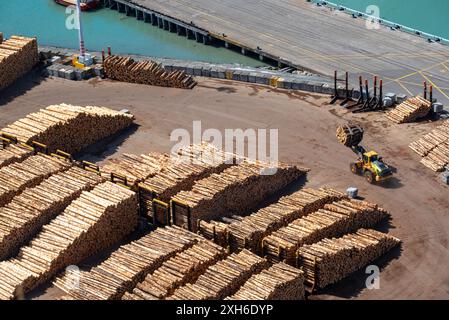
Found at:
(370, 157)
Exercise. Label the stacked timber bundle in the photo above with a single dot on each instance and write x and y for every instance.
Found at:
(437, 159)
(93, 222)
(236, 190)
(196, 162)
(183, 268)
(249, 231)
(28, 173)
(18, 55)
(69, 128)
(279, 282)
(216, 231)
(223, 278)
(136, 168)
(145, 72)
(331, 260)
(434, 147)
(14, 153)
(334, 220)
(35, 207)
(128, 265)
(410, 110)
(350, 134)
(434, 138)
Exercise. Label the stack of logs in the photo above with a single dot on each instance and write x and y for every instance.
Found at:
(69, 128)
(196, 162)
(331, 260)
(28, 173)
(183, 268)
(128, 265)
(279, 282)
(350, 134)
(18, 55)
(14, 153)
(236, 190)
(410, 110)
(29, 211)
(223, 278)
(434, 148)
(334, 220)
(93, 222)
(135, 168)
(249, 231)
(145, 72)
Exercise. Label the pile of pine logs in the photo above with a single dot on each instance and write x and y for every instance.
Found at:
(279, 282)
(69, 128)
(217, 231)
(135, 168)
(223, 278)
(195, 163)
(410, 110)
(350, 135)
(249, 231)
(17, 56)
(35, 207)
(236, 190)
(183, 268)
(434, 148)
(145, 72)
(93, 222)
(14, 153)
(128, 265)
(331, 260)
(334, 220)
(28, 173)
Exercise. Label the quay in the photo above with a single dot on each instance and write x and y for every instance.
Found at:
(304, 36)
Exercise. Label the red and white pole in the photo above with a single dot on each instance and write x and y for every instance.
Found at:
(80, 29)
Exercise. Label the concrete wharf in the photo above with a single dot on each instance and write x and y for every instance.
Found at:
(299, 34)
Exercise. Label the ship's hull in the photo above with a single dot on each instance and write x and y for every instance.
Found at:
(84, 6)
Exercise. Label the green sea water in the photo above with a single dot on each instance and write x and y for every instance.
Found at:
(430, 16)
(102, 28)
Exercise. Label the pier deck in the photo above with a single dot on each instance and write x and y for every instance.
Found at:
(303, 35)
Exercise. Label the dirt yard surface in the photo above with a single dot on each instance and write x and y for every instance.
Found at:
(417, 200)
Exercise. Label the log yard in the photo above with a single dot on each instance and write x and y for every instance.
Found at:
(311, 163)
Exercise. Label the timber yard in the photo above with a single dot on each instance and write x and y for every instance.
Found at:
(96, 204)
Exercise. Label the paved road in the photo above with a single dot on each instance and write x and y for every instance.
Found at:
(320, 39)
